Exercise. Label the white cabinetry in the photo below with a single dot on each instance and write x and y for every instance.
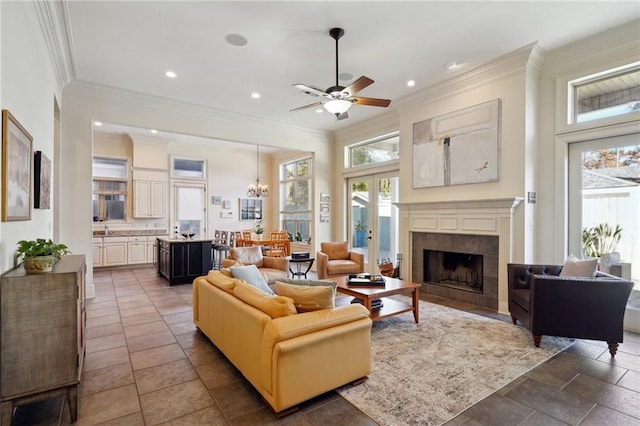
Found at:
(137, 250)
(149, 198)
(115, 251)
(152, 251)
(97, 252)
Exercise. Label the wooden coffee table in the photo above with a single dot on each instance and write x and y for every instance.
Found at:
(390, 306)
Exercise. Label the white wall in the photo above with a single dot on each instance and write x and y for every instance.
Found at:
(609, 49)
(83, 103)
(29, 88)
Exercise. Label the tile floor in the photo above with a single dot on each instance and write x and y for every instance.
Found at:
(146, 364)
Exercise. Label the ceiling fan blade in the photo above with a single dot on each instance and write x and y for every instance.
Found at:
(371, 101)
(357, 86)
(308, 90)
(343, 116)
(315, 104)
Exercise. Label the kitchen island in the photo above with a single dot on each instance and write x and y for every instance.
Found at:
(182, 260)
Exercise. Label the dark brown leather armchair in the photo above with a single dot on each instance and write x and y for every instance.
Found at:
(575, 307)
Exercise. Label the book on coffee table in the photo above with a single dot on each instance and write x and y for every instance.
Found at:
(366, 280)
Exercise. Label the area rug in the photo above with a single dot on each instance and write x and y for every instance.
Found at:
(427, 373)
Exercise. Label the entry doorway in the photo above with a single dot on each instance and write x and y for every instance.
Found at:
(190, 209)
(374, 222)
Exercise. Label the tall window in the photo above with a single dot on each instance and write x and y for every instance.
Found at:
(295, 193)
(379, 150)
(109, 189)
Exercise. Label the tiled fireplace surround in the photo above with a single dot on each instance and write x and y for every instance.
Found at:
(472, 226)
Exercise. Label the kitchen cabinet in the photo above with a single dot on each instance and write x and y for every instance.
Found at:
(149, 198)
(97, 252)
(152, 253)
(136, 250)
(42, 319)
(181, 261)
(115, 251)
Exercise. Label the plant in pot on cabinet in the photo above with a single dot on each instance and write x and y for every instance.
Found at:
(600, 241)
(40, 255)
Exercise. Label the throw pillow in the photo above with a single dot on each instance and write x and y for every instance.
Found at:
(252, 275)
(307, 298)
(292, 281)
(574, 267)
(272, 305)
(247, 255)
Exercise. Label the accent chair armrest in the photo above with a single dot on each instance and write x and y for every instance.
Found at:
(322, 259)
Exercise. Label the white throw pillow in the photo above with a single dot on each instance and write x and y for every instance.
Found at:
(574, 267)
(251, 275)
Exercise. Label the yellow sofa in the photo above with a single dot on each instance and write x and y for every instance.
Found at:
(288, 357)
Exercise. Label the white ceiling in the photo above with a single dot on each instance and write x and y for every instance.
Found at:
(130, 45)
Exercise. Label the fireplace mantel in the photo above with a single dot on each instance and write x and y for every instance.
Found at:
(473, 217)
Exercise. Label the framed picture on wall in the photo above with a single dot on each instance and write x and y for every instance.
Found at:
(16, 169)
(250, 209)
(41, 181)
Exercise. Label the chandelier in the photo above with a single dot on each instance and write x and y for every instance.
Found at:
(257, 190)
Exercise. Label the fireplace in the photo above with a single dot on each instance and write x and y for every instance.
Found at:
(455, 270)
(459, 267)
(488, 227)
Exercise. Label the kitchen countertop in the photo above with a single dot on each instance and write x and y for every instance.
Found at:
(182, 240)
(131, 233)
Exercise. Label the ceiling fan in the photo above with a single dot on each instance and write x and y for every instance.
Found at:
(338, 99)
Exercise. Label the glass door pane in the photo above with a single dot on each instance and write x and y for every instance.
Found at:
(189, 209)
(604, 191)
(360, 210)
(373, 219)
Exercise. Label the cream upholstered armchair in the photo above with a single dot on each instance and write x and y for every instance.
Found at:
(335, 258)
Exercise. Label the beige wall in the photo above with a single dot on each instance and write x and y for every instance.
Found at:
(29, 89)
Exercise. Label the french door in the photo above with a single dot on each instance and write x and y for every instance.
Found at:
(373, 223)
(604, 188)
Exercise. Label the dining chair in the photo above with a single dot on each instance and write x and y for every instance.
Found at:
(278, 244)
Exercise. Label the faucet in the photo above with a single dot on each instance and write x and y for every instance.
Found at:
(106, 228)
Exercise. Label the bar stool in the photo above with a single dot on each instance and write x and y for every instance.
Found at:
(219, 252)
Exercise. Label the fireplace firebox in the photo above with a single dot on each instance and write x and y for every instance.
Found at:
(461, 271)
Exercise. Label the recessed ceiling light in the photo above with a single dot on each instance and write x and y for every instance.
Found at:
(97, 123)
(171, 74)
(452, 65)
(319, 110)
(236, 39)
(411, 83)
(255, 95)
(345, 76)
(154, 131)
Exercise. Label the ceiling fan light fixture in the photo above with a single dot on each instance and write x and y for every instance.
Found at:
(337, 106)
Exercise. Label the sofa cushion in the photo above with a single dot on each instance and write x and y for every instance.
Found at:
(574, 267)
(335, 251)
(222, 281)
(272, 305)
(307, 298)
(251, 275)
(247, 255)
(292, 281)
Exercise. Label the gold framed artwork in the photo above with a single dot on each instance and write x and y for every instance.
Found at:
(16, 169)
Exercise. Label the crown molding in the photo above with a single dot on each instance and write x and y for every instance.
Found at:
(56, 32)
(505, 66)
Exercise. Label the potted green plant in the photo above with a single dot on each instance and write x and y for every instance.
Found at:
(40, 255)
(600, 239)
(361, 229)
